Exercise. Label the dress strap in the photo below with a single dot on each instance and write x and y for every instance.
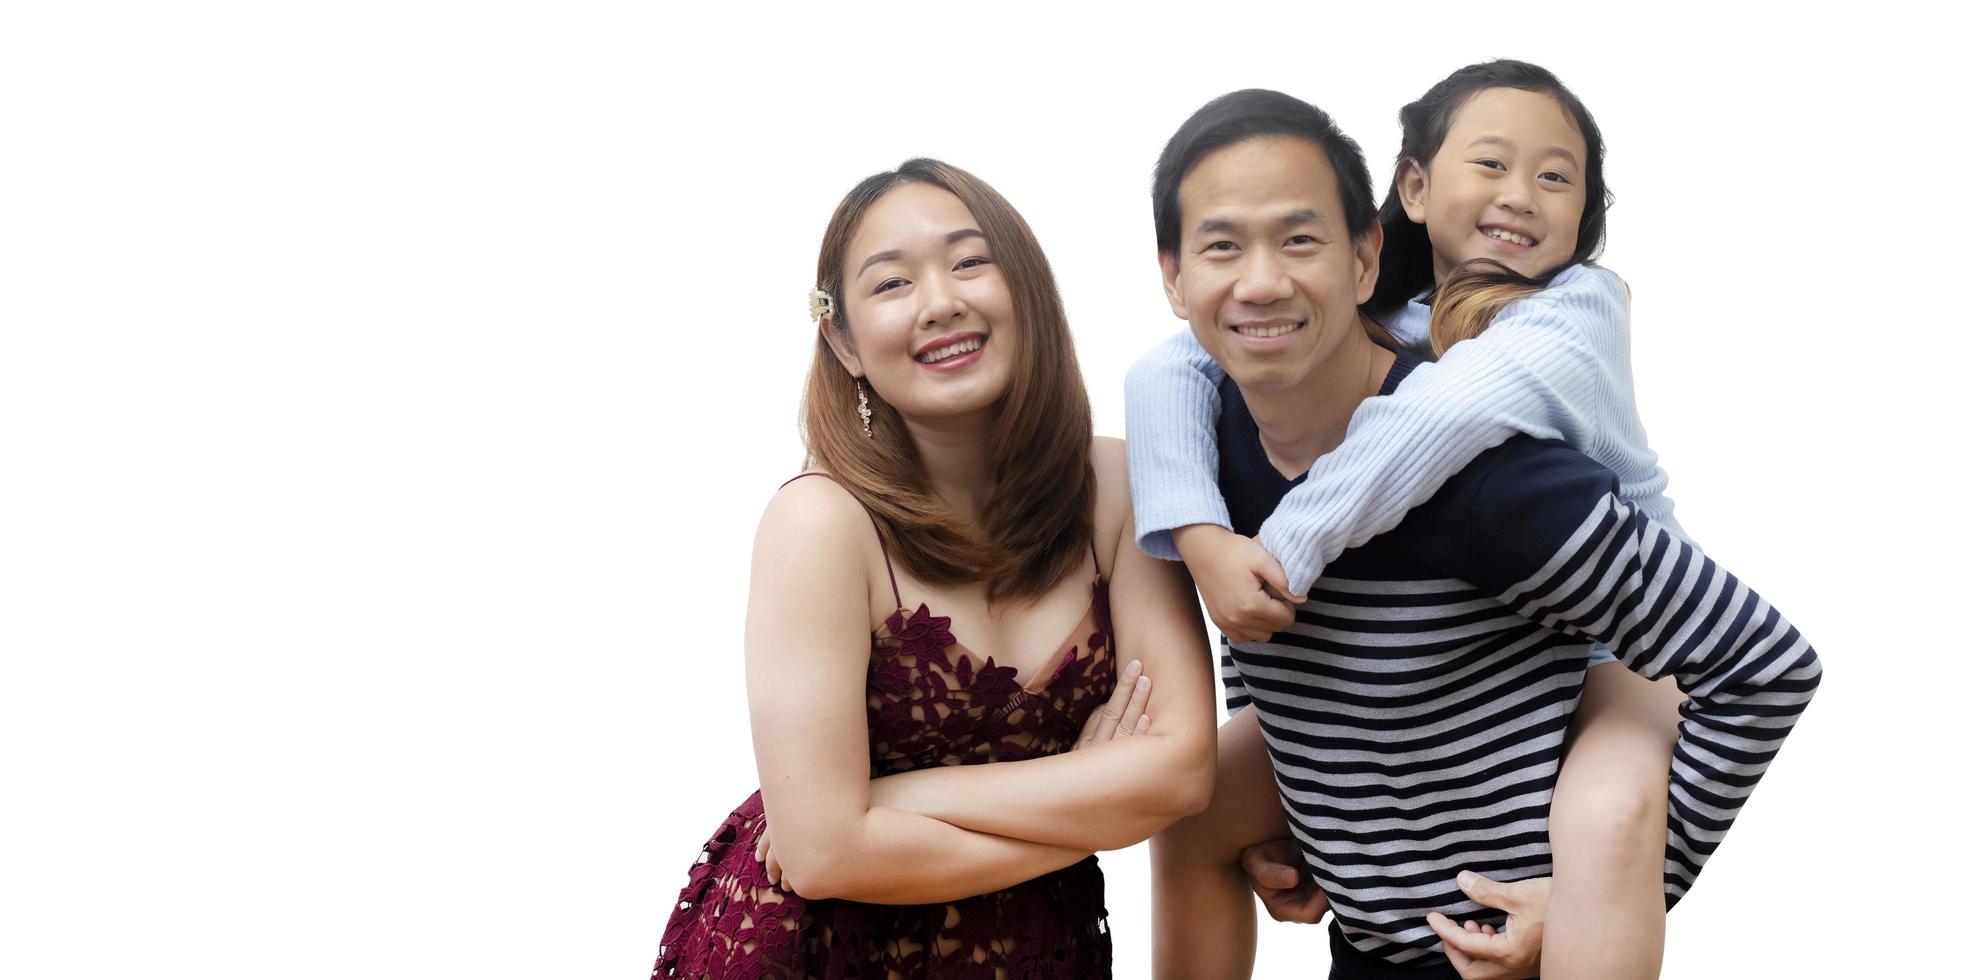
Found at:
(886, 552)
(1095, 559)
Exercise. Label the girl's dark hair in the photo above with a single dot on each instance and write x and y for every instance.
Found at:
(1405, 265)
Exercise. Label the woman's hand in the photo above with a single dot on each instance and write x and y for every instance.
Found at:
(764, 853)
(1123, 715)
(1481, 952)
(1120, 717)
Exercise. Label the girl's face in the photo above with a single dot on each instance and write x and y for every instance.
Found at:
(931, 318)
(1507, 185)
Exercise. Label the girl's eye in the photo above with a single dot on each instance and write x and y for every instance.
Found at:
(890, 283)
(971, 262)
(1551, 175)
(1491, 164)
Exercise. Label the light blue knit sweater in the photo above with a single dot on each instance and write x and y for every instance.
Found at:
(1554, 365)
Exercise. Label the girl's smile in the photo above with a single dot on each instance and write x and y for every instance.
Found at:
(1507, 185)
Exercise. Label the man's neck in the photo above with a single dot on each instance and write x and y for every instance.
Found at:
(1299, 424)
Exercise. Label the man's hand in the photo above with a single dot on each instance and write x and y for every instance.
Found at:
(1246, 591)
(1512, 952)
(1275, 872)
(1123, 715)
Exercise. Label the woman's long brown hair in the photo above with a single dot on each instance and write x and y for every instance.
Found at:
(1038, 522)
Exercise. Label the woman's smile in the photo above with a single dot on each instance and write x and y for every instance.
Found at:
(952, 352)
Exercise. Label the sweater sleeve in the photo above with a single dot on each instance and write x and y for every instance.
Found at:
(1547, 532)
(1171, 402)
(1542, 368)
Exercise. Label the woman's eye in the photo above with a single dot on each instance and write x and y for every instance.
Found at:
(972, 262)
(891, 283)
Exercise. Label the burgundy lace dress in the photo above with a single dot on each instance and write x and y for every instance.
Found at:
(930, 703)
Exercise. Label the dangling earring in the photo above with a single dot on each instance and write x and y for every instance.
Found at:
(863, 408)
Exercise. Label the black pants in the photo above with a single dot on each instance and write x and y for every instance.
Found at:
(1349, 963)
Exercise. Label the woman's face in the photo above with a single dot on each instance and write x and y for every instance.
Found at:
(931, 320)
(1507, 185)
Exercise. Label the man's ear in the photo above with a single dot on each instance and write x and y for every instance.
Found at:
(1412, 189)
(1368, 248)
(1174, 291)
(840, 345)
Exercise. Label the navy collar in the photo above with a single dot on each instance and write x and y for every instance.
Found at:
(1246, 433)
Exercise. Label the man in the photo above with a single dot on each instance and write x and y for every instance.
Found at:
(1414, 712)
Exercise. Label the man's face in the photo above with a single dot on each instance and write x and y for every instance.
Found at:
(1266, 271)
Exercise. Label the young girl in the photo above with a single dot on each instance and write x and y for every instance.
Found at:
(939, 614)
(1492, 205)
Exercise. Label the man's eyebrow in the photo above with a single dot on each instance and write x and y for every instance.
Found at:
(1503, 141)
(951, 237)
(1214, 226)
(1299, 216)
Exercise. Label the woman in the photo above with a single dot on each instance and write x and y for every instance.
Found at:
(929, 818)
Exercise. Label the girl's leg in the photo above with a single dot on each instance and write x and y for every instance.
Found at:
(1606, 906)
(1202, 910)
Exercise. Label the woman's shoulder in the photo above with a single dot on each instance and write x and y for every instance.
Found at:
(1112, 469)
(815, 511)
(1105, 451)
(1111, 466)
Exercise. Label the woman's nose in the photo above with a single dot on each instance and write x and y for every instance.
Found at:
(943, 303)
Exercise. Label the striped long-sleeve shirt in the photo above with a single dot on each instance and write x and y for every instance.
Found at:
(1415, 711)
(1555, 365)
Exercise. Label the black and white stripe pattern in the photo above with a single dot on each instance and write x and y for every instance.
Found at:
(1416, 723)
(1416, 728)
(1666, 609)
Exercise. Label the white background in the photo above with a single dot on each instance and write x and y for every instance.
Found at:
(389, 391)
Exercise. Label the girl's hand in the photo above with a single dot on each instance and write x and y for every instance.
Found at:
(1481, 952)
(1123, 715)
(1244, 587)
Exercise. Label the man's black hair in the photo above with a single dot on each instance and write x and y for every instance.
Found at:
(1248, 114)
